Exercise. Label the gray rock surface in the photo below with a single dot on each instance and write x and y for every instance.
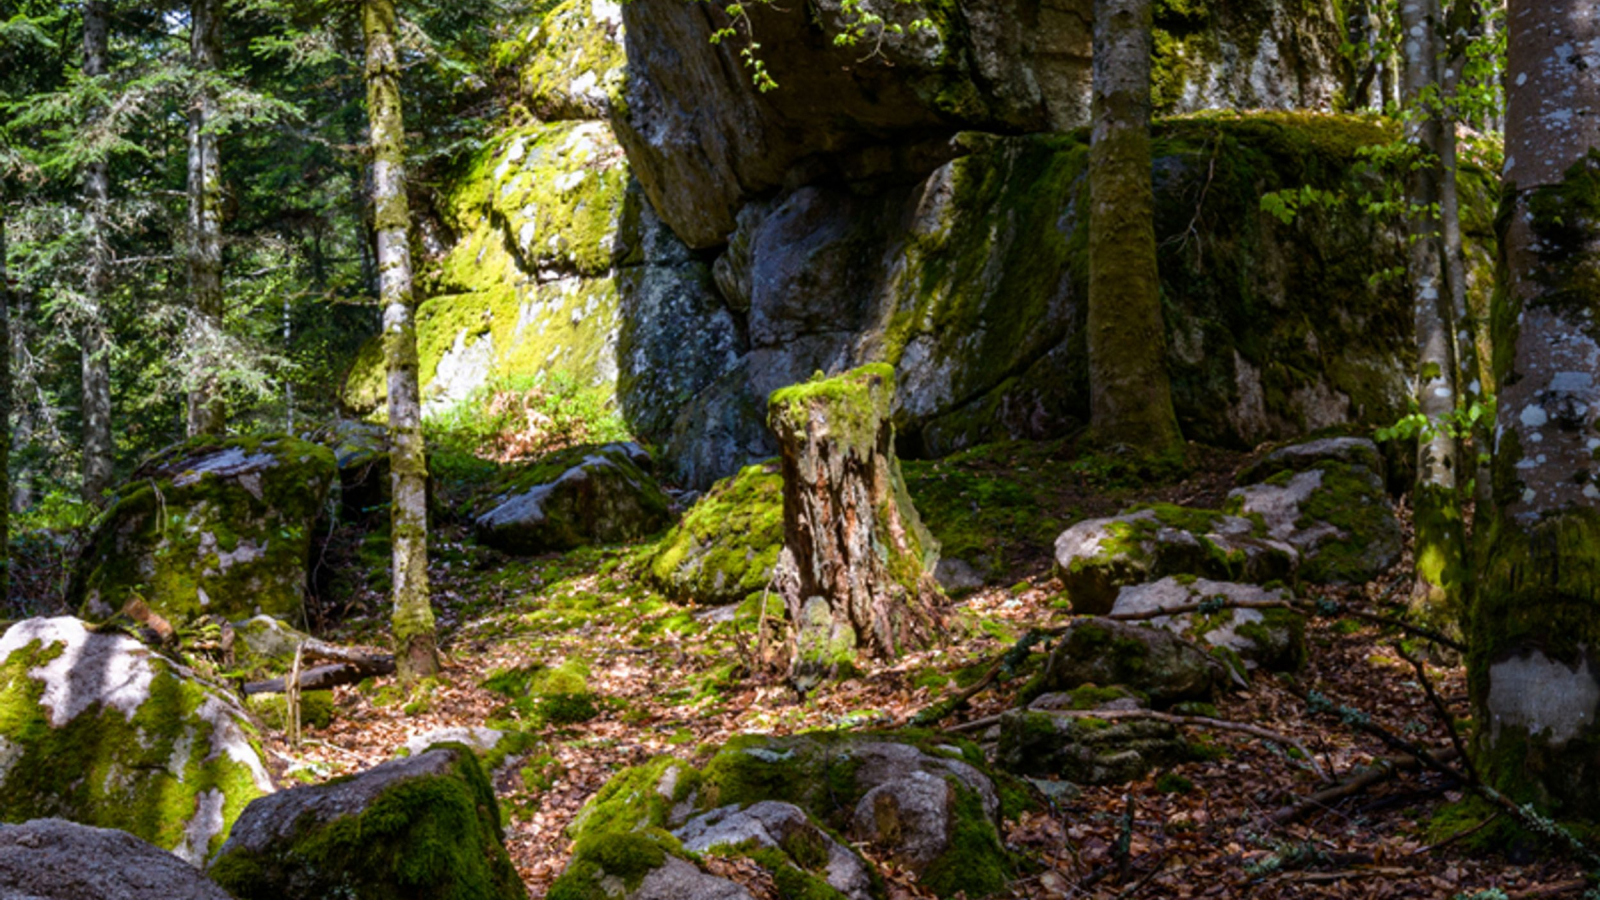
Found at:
(1098, 557)
(1272, 638)
(590, 495)
(1327, 499)
(779, 826)
(52, 859)
(678, 879)
(1152, 661)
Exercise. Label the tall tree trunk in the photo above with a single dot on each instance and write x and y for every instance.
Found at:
(415, 650)
(1130, 396)
(857, 571)
(207, 414)
(92, 338)
(1533, 671)
(1440, 533)
(5, 415)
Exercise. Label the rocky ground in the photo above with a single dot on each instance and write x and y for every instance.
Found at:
(668, 679)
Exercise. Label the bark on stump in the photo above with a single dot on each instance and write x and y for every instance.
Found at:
(857, 568)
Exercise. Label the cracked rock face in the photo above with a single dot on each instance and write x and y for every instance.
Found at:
(99, 729)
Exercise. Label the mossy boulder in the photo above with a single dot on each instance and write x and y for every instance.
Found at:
(727, 544)
(98, 729)
(1327, 499)
(221, 527)
(1044, 741)
(361, 452)
(586, 495)
(1098, 557)
(546, 695)
(52, 859)
(424, 826)
(783, 837)
(264, 647)
(927, 804)
(1157, 663)
(1274, 639)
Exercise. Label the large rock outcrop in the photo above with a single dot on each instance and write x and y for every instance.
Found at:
(423, 826)
(972, 281)
(705, 140)
(98, 729)
(220, 527)
(52, 859)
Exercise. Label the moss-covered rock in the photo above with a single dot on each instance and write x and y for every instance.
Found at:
(424, 826)
(927, 804)
(263, 648)
(98, 729)
(1327, 499)
(1098, 557)
(547, 695)
(1152, 661)
(210, 527)
(576, 64)
(727, 544)
(1085, 749)
(1274, 639)
(526, 287)
(805, 859)
(575, 497)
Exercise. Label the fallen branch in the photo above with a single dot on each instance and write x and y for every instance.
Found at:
(1526, 816)
(1380, 772)
(322, 678)
(1204, 723)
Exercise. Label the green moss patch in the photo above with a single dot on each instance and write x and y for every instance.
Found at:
(726, 546)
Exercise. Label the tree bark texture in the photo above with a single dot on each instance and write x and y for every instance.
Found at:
(93, 342)
(1130, 395)
(415, 648)
(1533, 670)
(858, 562)
(1440, 575)
(206, 414)
(5, 414)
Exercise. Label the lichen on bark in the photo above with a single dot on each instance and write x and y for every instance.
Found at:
(415, 652)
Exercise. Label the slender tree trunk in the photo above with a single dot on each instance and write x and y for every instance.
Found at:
(1533, 671)
(857, 571)
(1440, 532)
(1462, 24)
(1130, 397)
(415, 652)
(92, 338)
(207, 414)
(5, 415)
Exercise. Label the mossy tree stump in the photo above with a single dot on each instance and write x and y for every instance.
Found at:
(858, 561)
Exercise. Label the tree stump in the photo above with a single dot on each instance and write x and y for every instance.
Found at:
(857, 568)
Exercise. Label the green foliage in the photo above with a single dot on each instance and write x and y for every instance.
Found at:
(525, 416)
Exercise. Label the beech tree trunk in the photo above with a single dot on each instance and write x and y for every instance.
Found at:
(856, 577)
(206, 414)
(5, 413)
(92, 339)
(1533, 671)
(1440, 533)
(1130, 396)
(416, 654)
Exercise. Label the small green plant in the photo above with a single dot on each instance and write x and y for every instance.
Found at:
(520, 417)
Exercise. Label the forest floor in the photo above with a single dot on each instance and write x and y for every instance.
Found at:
(674, 680)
